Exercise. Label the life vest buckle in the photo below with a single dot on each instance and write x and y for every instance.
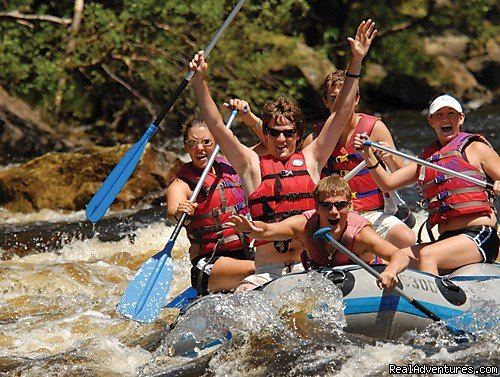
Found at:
(343, 173)
(443, 195)
(286, 173)
(445, 208)
(292, 196)
(439, 179)
(343, 158)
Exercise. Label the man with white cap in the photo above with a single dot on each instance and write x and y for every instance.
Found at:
(462, 210)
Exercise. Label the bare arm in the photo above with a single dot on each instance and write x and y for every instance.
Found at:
(369, 241)
(308, 140)
(244, 160)
(317, 153)
(387, 182)
(291, 227)
(178, 194)
(484, 158)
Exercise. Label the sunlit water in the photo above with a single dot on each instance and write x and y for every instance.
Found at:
(58, 313)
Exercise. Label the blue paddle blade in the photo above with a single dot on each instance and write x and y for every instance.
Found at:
(144, 297)
(111, 187)
(183, 298)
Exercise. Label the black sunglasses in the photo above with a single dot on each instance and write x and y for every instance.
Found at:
(338, 205)
(287, 133)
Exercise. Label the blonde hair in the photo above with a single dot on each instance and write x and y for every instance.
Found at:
(332, 185)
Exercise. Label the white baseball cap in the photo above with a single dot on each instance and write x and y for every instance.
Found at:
(444, 101)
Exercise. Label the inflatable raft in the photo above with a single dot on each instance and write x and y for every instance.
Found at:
(384, 314)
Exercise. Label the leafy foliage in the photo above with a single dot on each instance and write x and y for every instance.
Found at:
(129, 55)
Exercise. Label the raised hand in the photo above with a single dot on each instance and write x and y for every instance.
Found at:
(244, 112)
(199, 65)
(361, 43)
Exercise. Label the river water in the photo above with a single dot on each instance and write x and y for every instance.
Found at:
(58, 317)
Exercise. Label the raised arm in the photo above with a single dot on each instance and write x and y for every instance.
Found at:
(244, 160)
(321, 148)
(387, 182)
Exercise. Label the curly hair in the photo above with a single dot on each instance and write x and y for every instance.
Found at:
(281, 111)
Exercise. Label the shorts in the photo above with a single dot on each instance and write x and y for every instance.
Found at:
(382, 223)
(202, 267)
(485, 237)
(268, 272)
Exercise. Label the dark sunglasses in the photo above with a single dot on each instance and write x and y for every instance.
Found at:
(194, 143)
(287, 133)
(338, 205)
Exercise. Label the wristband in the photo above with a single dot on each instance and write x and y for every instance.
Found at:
(347, 74)
(374, 166)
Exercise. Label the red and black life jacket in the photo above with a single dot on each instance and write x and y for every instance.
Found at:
(366, 194)
(221, 196)
(285, 190)
(448, 196)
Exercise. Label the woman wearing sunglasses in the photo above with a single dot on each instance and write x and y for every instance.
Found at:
(220, 255)
(332, 196)
(279, 184)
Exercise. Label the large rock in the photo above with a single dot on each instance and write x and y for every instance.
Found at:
(67, 181)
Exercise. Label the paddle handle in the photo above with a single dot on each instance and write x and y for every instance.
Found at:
(203, 175)
(328, 237)
(355, 171)
(419, 161)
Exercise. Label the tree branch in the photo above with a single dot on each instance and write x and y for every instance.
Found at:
(123, 83)
(22, 18)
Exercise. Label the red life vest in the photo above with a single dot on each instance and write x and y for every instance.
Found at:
(285, 190)
(447, 196)
(366, 194)
(220, 197)
(317, 253)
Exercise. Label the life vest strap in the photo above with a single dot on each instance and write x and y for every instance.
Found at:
(443, 177)
(448, 207)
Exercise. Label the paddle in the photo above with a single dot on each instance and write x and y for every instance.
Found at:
(419, 161)
(145, 294)
(324, 233)
(182, 298)
(112, 185)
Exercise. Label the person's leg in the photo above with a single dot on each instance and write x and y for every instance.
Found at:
(227, 273)
(401, 236)
(447, 254)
